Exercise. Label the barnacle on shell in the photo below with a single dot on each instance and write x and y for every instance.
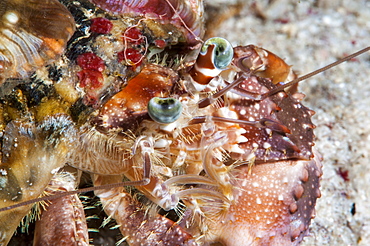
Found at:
(33, 33)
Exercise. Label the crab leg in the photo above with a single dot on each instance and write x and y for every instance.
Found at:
(137, 226)
(63, 221)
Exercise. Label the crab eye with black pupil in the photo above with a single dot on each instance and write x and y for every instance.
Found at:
(164, 110)
(222, 52)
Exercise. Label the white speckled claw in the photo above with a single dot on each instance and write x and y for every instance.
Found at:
(270, 204)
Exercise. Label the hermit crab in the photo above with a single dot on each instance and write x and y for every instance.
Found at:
(187, 142)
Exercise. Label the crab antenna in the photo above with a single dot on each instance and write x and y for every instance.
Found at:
(295, 81)
(73, 192)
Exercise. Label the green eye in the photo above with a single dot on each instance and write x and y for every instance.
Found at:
(222, 53)
(164, 110)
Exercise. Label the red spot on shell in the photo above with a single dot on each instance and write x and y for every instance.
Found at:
(133, 35)
(101, 25)
(131, 56)
(160, 43)
(90, 78)
(90, 61)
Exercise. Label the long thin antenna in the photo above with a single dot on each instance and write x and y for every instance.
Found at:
(73, 192)
(320, 70)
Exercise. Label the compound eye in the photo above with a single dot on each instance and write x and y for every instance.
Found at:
(223, 52)
(164, 110)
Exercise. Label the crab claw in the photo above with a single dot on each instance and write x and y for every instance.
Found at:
(273, 205)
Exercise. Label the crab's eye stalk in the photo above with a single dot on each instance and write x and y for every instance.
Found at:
(215, 55)
(164, 110)
(32, 34)
(222, 52)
